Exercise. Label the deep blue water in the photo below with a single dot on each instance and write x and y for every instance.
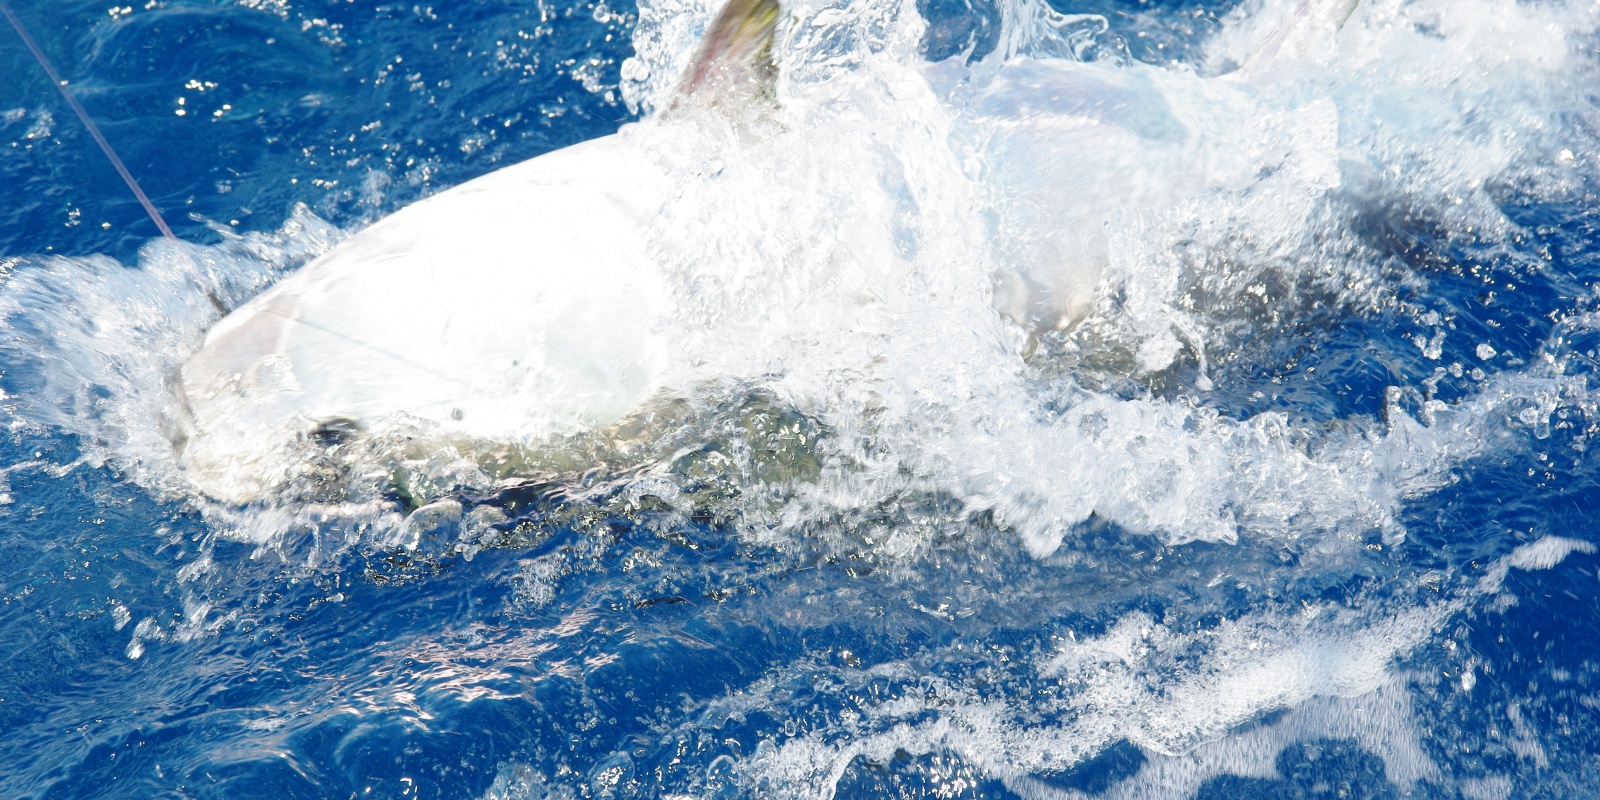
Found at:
(595, 653)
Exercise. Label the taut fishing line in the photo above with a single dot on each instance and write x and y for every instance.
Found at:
(94, 130)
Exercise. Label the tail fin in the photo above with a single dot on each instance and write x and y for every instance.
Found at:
(1312, 22)
(735, 58)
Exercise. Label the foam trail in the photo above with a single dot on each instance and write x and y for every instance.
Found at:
(94, 130)
(1197, 703)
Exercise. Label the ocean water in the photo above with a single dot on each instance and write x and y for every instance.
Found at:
(1302, 507)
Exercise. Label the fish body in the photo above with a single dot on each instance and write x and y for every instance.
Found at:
(527, 303)
(517, 306)
(516, 303)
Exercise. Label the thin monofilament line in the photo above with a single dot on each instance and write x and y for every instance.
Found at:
(94, 130)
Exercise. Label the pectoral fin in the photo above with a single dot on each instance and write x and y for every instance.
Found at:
(735, 59)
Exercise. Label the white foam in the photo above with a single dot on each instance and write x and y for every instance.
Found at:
(1380, 722)
(1198, 703)
(1194, 718)
(1546, 552)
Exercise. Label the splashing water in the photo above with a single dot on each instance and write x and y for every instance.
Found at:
(1316, 407)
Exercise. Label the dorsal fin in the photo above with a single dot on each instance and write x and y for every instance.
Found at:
(1311, 23)
(735, 59)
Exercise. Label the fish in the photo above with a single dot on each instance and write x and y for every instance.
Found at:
(526, 303)
(410, 316)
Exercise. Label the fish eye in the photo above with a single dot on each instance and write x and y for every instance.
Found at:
(334, 431)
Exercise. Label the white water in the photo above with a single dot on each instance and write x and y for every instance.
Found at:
(841, 260)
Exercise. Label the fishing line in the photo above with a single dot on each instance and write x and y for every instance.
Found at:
(94, 130)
